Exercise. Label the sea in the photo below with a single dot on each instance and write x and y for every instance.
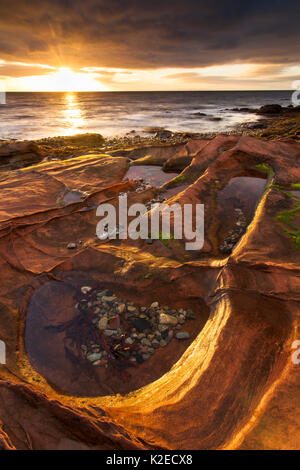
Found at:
(27, 116)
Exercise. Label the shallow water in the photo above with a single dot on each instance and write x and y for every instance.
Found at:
(73, 196)
(38, 115)
(242, 192)
(47, 346)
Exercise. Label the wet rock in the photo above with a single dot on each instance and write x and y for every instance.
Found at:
(109, 332)
(163, 134)
(256, 125)
(146, 356)
(215, 118)
(270, 109)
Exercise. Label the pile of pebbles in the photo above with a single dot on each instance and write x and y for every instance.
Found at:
(129, 332)
(235, 234)
(142, 185)
(159, 199)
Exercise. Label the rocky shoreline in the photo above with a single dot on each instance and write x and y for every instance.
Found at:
(109, 334)
(274, 122)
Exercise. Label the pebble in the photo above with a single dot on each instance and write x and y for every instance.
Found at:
(190, 314)
(108, 332)
(94, 357)
(109, 299)
(130, 308)
(182, 335)
(154, 305)
(165, 319)
(129, 341)
(121, 308)
(86, 289)
(102, 324)
(163, 343)
(71, 246)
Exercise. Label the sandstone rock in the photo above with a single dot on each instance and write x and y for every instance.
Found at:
(20, 154)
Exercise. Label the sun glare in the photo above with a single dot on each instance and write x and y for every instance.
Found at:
(63, 80)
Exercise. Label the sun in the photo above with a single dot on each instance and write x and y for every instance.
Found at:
(64, 79)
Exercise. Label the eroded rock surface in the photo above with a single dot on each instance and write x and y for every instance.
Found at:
(232, 383)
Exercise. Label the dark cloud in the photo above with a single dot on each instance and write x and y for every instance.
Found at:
(149, 34)
(14, 70)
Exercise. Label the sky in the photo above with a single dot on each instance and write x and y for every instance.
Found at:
(120, 45)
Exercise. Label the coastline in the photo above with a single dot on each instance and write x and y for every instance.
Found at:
(271, 126)
(237, 286)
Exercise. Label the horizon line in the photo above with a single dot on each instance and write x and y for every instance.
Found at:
(142, 91)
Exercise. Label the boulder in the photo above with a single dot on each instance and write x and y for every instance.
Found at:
(270, 109)
(19, 154)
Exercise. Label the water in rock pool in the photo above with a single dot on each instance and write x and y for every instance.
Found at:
(151, 174)
(236, 204)
(87, 340)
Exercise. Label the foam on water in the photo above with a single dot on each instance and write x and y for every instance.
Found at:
(38, 115)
